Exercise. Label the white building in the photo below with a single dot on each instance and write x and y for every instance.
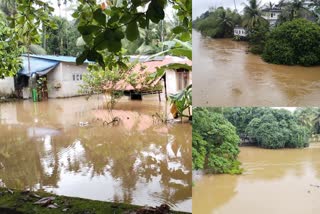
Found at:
(271, 15)
(63, 76)
(239, 31)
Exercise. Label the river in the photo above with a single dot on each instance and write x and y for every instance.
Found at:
(62, 146)
(224, 74)
(273, 181)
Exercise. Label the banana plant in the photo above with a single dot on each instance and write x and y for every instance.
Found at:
(180, 102)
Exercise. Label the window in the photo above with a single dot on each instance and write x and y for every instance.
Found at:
(76, 77)
(182, 79)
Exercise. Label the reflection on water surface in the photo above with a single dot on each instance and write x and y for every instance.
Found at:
(141, 161)
(225, 74)
(274, 181)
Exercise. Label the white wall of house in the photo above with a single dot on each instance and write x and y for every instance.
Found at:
(239, 31)
(65, 80)
(271, 16)
(6, 86)
(177, 81)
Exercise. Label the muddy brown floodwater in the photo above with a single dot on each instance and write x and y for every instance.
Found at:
(274, 181)
(50, 146)
(225, 75)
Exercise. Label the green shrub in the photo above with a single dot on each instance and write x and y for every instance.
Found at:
(294, 43)
(214, 143)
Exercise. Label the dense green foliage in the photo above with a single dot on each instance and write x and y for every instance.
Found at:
(257, 37)
(309, 117)
(103, 27)
(269, 128)
(252, 15)
(218, 23)
(62, 40)
(9, 51)
(214, 143)
(294, 42)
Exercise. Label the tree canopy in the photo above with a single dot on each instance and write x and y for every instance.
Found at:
(218, 23)
(270, 128)
(214, 142)
(294, 43)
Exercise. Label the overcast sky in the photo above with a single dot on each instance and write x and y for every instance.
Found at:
(201, 6)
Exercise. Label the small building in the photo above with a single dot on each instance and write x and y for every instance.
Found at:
(240, 32)
(271, 15)
(63, 76)
(173, 80)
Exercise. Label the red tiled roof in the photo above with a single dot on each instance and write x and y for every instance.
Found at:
(144, 69)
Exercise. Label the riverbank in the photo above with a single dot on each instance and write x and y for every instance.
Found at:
(14, 201)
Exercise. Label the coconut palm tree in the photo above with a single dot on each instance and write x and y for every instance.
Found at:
(294, 9)
(252, 14)
(225, 21)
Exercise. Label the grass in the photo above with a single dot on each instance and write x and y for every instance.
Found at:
(17, 202)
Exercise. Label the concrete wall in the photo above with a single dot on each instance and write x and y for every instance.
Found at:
(172, 79)
(6, 86)
(65, 80)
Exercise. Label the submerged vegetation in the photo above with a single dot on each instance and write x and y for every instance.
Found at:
(292, 40)
(218, 23)
(218, 132)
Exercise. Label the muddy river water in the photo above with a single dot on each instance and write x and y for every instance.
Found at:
(61, 146)
(226, 75)
(273, 181)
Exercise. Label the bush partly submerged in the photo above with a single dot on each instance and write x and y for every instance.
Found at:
(295, 42)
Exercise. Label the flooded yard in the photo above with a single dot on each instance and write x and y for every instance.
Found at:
(62, 146)
(274, 181)
(225, 74)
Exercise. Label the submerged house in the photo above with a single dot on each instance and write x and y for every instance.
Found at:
(63, 76)
(240, 32)
(171, 81)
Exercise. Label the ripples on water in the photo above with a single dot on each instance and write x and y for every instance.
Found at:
(141, 162)
(225, 74)
(273, 181)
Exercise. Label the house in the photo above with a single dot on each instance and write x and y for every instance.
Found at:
(63, 76)
(171, 81)
(239, 31)
(271, 15)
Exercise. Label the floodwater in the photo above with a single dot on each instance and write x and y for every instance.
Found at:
(274, 181)
(226, 75)
(62, 146)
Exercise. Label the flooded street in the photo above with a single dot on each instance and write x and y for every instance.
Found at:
(226, 75)
(62, 146)
(273, 181)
